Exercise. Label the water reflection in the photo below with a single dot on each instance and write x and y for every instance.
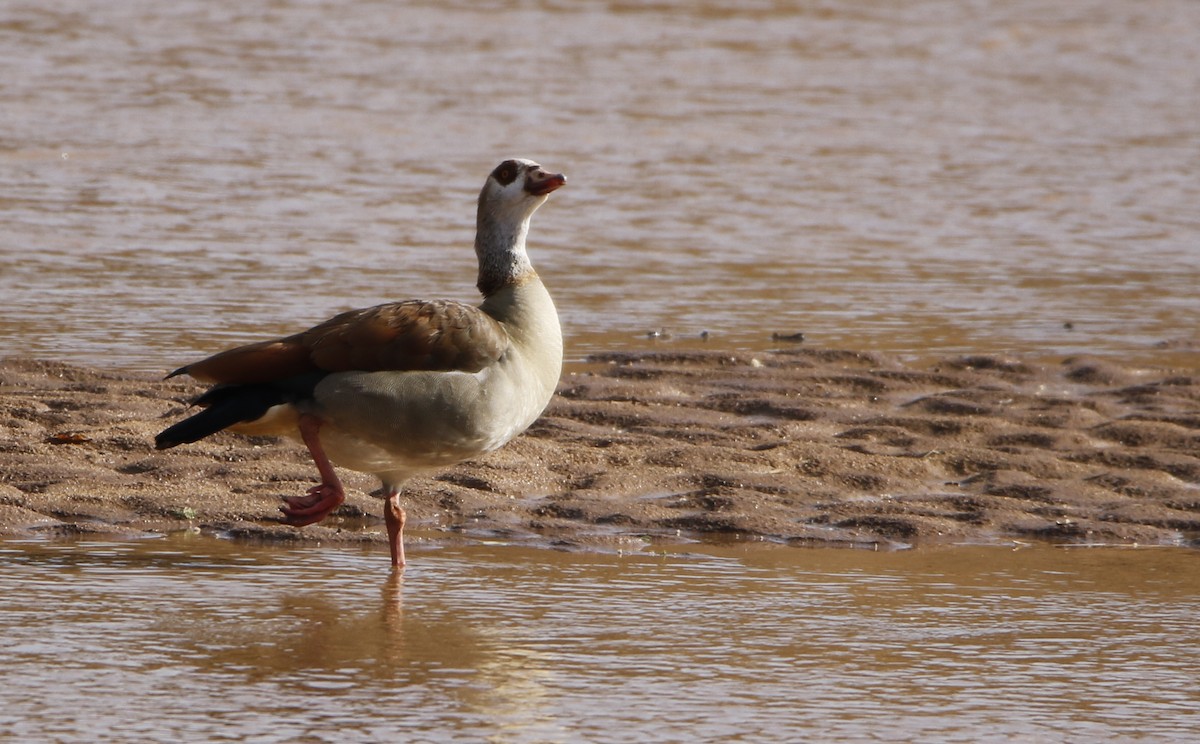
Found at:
(220, 639)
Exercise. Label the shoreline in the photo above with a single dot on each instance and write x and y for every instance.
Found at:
(811, 447)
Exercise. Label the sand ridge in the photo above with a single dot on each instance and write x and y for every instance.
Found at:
(810, 446)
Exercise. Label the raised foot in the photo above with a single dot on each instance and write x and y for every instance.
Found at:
(312, 507)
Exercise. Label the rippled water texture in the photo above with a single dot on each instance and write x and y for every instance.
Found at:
(917, 177)
(198, 639)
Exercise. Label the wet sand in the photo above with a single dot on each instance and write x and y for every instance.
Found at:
(809, 446)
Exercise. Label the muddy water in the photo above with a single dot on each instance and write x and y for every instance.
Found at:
(192, 638)
(919, 177)
(911, 177)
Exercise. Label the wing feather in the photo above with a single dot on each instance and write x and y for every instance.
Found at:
(433, 335)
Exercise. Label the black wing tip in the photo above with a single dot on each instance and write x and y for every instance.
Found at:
(224, 406)
(181, 371)
(162, 443)
(184, 432)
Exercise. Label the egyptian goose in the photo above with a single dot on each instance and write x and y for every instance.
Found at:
(399, 389)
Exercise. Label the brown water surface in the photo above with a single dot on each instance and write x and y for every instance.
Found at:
(918, 177)
(194, 638)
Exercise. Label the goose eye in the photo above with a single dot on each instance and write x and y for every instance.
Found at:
(505, 173)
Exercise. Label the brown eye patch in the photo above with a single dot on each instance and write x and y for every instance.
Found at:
(506, 172)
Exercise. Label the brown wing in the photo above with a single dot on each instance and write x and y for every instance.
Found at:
(437, 335)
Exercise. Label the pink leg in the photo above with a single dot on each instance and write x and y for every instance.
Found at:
(395, 518)
(320, 499)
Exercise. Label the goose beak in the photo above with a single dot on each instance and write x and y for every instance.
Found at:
(540, 183)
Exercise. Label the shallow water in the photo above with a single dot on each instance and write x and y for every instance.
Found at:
(195, 638)
(919, 177)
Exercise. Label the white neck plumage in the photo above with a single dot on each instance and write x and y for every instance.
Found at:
(500, 248)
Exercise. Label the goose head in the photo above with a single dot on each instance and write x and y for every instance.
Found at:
(511, 194)
(515, 189)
